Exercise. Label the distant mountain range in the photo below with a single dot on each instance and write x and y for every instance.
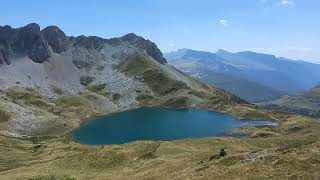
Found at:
(253, 76)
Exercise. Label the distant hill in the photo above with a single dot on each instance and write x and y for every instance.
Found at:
(246, 89)
(307, 104)
(252, 76)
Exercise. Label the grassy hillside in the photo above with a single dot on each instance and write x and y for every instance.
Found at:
(290, 151)
(248, 90)
(168, 91)
(158, 81)
(4, 116)
(307, 104)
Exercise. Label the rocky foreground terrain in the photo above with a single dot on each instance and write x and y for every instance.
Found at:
(51, 83)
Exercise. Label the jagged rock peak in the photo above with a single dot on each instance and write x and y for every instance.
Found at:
(90, 42)
(132, 37)
(27, 36)
(56, 38)
(31, 41)
(150, 47)
(26, 40)
(38, 44)
(32, 28)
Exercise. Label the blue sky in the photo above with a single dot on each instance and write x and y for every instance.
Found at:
(287, 28)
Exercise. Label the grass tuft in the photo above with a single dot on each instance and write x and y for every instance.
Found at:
(139, 66)
(4, 116)
(99, 89)
(86, 80)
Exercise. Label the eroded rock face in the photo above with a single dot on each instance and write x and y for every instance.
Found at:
(4, 56)
(25, 40)
(2, 61)
(27, 36)
(37, 45)
(56, 38)
(7, 38)
(150, 47)
(91, 42)
(31, 41)
(39, 51)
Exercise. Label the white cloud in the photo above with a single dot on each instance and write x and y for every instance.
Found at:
(224, 22)
(258, 49)
(261, 49)
(283, 3)
(286, 3)
(299, 49)
(172, 45)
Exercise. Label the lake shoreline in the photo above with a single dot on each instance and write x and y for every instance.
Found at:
(174, 111)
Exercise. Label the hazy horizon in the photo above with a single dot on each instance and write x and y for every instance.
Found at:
(285, 28)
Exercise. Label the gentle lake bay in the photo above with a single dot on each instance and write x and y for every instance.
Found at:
(158, 124)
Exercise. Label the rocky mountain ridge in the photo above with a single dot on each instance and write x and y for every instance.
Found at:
(39, 44)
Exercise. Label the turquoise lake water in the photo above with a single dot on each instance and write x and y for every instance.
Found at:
(158, 124)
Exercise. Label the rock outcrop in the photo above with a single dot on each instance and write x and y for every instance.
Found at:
(39, 51)
(90, 42)
(26, 40)
(4, 56)
(7, 36)
(150, 47)
(38, 44)
(56, 38)
(31, 41)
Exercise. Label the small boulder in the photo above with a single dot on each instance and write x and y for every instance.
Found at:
(222, 153)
